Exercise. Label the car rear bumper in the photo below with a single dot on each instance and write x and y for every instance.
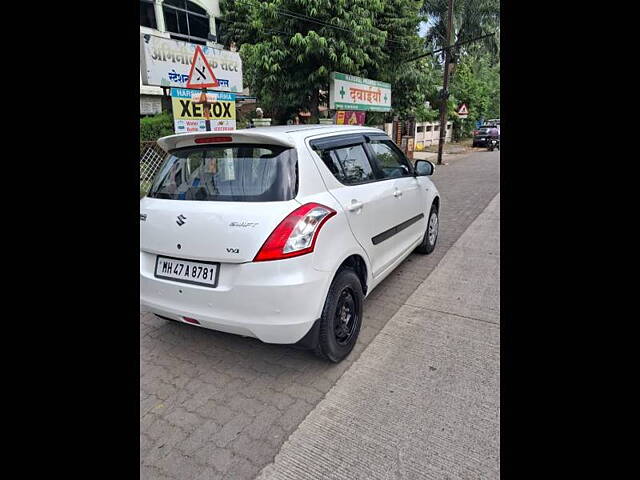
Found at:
(276, 301)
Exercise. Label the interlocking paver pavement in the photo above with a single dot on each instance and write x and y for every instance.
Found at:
(214, 405)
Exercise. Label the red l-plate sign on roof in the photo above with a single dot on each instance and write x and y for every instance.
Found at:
(201, 75)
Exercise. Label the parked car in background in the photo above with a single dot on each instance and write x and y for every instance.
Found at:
(481, 137)
(279, 233)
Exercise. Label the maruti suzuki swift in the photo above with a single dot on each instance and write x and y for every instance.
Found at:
(279, 233)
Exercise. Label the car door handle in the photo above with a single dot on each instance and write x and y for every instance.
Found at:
(355, 206)
(397, 194)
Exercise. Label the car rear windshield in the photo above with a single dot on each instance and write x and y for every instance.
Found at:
(228, 173)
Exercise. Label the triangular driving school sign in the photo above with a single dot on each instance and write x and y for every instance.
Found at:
(463, 109)
(201, 75)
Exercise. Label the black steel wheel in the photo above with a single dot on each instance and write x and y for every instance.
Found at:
(341, 317)
(346, 317)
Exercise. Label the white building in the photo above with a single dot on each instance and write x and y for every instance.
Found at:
(428, 133)
(185, 20)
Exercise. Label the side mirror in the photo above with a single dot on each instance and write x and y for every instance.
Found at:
(424, 168)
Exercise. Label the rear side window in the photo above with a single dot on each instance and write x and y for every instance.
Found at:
(232, 173)
(348, 164)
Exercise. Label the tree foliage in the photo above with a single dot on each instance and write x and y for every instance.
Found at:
(471, 19)
(476, 79)
(410, 80)
(288, 56)
(476, 83)
(290, 47)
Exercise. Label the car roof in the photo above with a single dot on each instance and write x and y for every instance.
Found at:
(304, 129)
(285, 135)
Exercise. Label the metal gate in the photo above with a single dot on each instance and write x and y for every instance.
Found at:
(151, 157)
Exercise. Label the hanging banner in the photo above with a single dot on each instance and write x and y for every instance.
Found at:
(188, 116)
(351, 117)
(166, 62)
(347, 92)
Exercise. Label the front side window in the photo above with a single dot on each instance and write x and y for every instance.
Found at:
(349, 165)
(238, 173)
(390, 162)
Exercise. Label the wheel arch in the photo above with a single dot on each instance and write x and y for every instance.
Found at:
(358, 264)
(436, 203)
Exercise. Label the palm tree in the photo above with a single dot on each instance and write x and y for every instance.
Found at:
(471, 19)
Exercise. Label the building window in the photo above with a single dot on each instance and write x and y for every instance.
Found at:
(449, 127)
(421, 129)
(428, 128)
(219, 30)
(147, 14)
(186, 21)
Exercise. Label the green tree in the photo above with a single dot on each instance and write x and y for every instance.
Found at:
(471, 19)
(410, 80)
(477, 83)
(290, 47)
(476, 78)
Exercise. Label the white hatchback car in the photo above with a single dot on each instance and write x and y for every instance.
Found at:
(279, 233)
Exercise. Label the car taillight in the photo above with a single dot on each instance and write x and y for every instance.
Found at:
(296, 234)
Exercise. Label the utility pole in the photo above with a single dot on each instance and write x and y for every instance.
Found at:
(445, 84)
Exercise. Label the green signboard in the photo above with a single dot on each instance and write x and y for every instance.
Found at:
(348, 92)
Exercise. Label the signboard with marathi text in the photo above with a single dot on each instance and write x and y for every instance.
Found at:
(347, 92)
(167, 63)
(188, 116)
(350, 117)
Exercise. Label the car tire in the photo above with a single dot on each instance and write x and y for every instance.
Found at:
(341, 317)
(431, 234)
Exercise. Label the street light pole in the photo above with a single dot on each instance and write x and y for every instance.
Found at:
(445, 84)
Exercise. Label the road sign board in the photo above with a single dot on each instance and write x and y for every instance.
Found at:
(201, 75)
(463, 111)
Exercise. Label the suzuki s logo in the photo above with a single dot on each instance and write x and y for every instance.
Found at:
(181, 219)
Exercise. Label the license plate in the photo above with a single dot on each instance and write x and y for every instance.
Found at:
(187, 271)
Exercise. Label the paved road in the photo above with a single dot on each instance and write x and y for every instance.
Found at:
(423, 399)
(214, 405)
